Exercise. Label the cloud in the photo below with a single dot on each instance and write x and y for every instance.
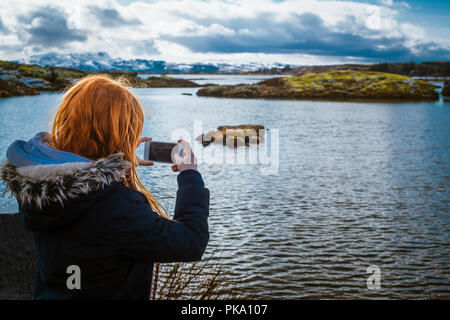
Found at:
(388, 3)
(3, 28)
(392, 3)
(147, 46)
(48, 27)
(110, 17)
(308, 31)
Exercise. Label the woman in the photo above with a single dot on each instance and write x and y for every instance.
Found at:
(97, 229)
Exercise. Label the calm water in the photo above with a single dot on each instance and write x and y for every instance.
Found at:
(359, 184)
(215, 78)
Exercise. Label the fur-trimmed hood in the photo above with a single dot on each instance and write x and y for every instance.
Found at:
(40, 189)
(41, 185)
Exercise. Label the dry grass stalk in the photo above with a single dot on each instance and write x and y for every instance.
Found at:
(201, 280)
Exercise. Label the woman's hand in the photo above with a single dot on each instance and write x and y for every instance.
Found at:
(188, 161)
(142, 162)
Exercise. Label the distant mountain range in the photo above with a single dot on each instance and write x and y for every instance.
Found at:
(102, 61)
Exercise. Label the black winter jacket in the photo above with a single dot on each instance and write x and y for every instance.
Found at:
(86, 217)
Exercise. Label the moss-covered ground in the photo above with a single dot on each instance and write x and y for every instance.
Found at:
(334, 85)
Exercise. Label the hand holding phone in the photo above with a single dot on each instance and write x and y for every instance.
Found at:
(186, 160)
(161, 151)
(178, 153)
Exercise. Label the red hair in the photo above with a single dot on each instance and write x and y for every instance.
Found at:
(98, 117)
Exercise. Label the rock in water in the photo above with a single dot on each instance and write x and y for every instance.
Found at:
(233, 136)
(446, 90)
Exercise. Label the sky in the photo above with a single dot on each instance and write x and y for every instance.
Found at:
(296, 32)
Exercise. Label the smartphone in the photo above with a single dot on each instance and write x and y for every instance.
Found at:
(161, 151)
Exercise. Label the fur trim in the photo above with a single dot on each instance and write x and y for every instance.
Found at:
(43, 184)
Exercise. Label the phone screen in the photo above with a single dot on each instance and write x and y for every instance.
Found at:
(159, 151)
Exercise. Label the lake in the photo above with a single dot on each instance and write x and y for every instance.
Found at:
(358, 185)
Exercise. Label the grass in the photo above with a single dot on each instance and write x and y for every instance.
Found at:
(355, 82)
(201, 280)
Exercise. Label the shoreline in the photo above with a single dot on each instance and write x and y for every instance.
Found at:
(29, 79)
(342, 85)
(24, 79)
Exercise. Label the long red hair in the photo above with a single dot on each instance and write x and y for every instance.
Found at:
(98, 117)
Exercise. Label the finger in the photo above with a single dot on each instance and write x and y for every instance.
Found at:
(177, 159)
(185, 144)
(187, 150)
(143, 139)
(188, 154)
(142, 162)
(174, 168)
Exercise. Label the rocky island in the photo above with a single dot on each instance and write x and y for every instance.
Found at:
(446, 91)
(233, 136)
(335, 85)
(21, 79)
(131, 79)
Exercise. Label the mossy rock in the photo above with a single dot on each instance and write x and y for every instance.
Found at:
(11, 89)
(208, 137)
(234, 141)
(446, 90)
(240, 135)
(169, 82)
(334, 85)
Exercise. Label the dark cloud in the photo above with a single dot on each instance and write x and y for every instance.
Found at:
(111, 18)
(143, 46)
(8, 50)
(48, 27)
(3, 28)
(307, 33)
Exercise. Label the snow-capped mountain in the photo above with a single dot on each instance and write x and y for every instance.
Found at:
(96, 62)
(103, 61)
